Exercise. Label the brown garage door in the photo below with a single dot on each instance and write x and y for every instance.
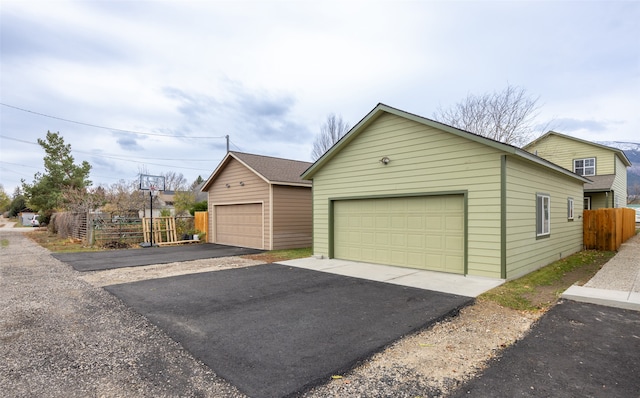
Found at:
(239, 225)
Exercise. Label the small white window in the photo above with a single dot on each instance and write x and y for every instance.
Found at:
(587, 202)
(570, 208)
(543, 215)
(585, 167)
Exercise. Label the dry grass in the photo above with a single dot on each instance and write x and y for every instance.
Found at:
(541, 289)
(59, 245)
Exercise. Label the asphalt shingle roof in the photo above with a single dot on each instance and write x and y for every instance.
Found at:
(600, 183)
(275, 169)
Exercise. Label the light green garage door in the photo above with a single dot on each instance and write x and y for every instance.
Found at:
(425, 232)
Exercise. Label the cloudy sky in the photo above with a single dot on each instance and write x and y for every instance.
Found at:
(155, 86)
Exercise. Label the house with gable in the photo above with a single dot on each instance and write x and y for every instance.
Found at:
(259, 202)
(604, 166)
(401, 189)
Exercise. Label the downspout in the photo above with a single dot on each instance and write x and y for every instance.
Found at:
(503, 217)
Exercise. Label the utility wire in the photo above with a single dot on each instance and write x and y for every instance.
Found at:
(234, 144)
(136, 159)
(109, 155)
(100, 127)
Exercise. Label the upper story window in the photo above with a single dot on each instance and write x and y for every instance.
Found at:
(585, 167)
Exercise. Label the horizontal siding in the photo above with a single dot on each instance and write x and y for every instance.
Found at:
(620, 184)
(292, 217)
(254, 190)
(423, 160)
(562, 151)
(524, 252)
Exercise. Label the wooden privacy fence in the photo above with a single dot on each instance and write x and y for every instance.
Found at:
(608, 229)
(201, 221)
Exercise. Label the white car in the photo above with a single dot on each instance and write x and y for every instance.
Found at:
(34, 221)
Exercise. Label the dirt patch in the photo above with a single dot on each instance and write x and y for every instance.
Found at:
(134, 274)
(437, 360)
(545, 296)
(267, 257)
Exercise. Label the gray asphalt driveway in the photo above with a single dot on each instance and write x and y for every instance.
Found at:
(575, 350)
(96, 261)
(274, 330)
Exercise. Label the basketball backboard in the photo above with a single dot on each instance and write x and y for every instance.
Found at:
(151, 183)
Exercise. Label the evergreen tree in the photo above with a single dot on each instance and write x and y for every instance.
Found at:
(46, 193)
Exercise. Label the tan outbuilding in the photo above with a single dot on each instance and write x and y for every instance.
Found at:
(259, 202)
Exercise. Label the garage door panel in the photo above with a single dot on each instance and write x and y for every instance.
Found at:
(434, 223)
(454, 205)
(414, 241)
(399, 222)
(415, 260)
(399, 240)
(433, 242)
(382, 221)
(454, 222)
(453, 262)
(420, 232)
(415, 221)
(455, 244)
(382, 255)
(383, 239)
(368, 221)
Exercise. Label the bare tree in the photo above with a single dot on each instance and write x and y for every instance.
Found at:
(174, 181)
(506, 116)
(83, 199)
(124, 198)
(634, 193)
(330, 133)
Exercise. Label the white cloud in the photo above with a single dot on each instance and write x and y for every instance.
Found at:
(268, 72)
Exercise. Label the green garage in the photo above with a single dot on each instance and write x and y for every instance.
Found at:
(400, 189)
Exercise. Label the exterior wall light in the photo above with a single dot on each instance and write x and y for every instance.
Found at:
(385, 160)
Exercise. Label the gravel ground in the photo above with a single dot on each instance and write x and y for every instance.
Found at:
(63, 335)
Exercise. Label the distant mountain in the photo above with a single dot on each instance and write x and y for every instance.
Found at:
(632, 151)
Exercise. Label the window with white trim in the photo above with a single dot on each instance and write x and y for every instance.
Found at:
(587, 203)
(570, 208)
(543, 215)
(585, 167)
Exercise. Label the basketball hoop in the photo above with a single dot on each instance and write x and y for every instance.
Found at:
(153, 184)
(149, 182)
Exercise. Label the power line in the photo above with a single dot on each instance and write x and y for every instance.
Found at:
(136, 159)
(109, 155)
(234, 144)
(101, 127)
(16, 164)
(19, 140)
